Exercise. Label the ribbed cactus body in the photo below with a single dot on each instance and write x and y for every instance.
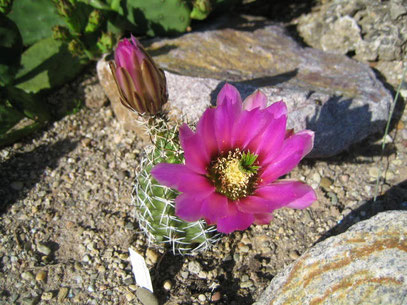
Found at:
(154, 203)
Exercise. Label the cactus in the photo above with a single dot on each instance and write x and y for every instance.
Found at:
(11, 47)
(46, 65)
(5, 6)
(35, 19)
(154, 202)
(158, 17)
(85, 31)
(200, 9)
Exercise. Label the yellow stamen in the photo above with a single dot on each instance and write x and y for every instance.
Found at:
(230, 178)
(233, 174)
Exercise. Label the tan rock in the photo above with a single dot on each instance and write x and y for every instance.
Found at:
(365, 265)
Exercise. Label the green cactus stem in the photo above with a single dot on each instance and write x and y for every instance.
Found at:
(154, 203)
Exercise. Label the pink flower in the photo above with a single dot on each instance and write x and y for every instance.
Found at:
(141, 84)
(233, 162)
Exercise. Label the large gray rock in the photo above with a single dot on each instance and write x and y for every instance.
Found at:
(371, 30)
(339, 98)
(365, 265)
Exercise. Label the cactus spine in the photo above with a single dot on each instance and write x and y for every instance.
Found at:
(154, 203)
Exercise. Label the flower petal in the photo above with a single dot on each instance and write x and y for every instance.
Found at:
(228, 94)
(235, 220)
(293, 194)
(308, 144)
(214, 207)
(254, 204)
(263, 219)
(180, 177)
(268, 144)
(277, 109)
(292, 151)
(250, 124)
(227, 112)
(255, 100)
(196, 157)
(206, 131)
(188, 207)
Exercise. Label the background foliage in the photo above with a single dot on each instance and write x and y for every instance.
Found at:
(46, 43)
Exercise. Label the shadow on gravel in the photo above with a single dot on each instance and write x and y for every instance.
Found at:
(230, 285)
(394, 199)
(167, 268)
(21, 172)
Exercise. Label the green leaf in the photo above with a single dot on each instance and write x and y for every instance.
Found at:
(29, 104)
(9, 117)
(35, 19)
(11, 46)
(15, 135)
(46, 65)
(157, 17)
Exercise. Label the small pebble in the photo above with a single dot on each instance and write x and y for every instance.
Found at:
(43, 249)
(374, 172)
(29, 301)
(167, 285)
(130, 296)
(244, 249)
(28, 276)
(194, 267)
(316, 177)
(85, 259)
(202, 298)
(344, 178)
(41, 276)
(46, 296)
(146, 297)
(128, 280)
(246, 284)
(152, 256)
(216, 296)
(293, 254)
(325, 182)
(184, 274)
(62, 293)
(85, 142)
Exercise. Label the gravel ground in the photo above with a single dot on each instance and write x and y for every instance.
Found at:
(67, 222)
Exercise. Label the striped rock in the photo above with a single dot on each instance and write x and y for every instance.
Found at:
(365, 265)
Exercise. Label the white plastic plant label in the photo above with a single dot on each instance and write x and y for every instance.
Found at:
(140, 270)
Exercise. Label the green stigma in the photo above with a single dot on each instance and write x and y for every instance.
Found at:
(234, 174)
(247, 162)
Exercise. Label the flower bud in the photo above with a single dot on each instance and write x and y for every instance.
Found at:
(142, 85)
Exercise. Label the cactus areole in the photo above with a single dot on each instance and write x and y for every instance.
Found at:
(233, 163)
(141, 84)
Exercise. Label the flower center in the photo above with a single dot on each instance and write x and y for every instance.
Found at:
(234, 174)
